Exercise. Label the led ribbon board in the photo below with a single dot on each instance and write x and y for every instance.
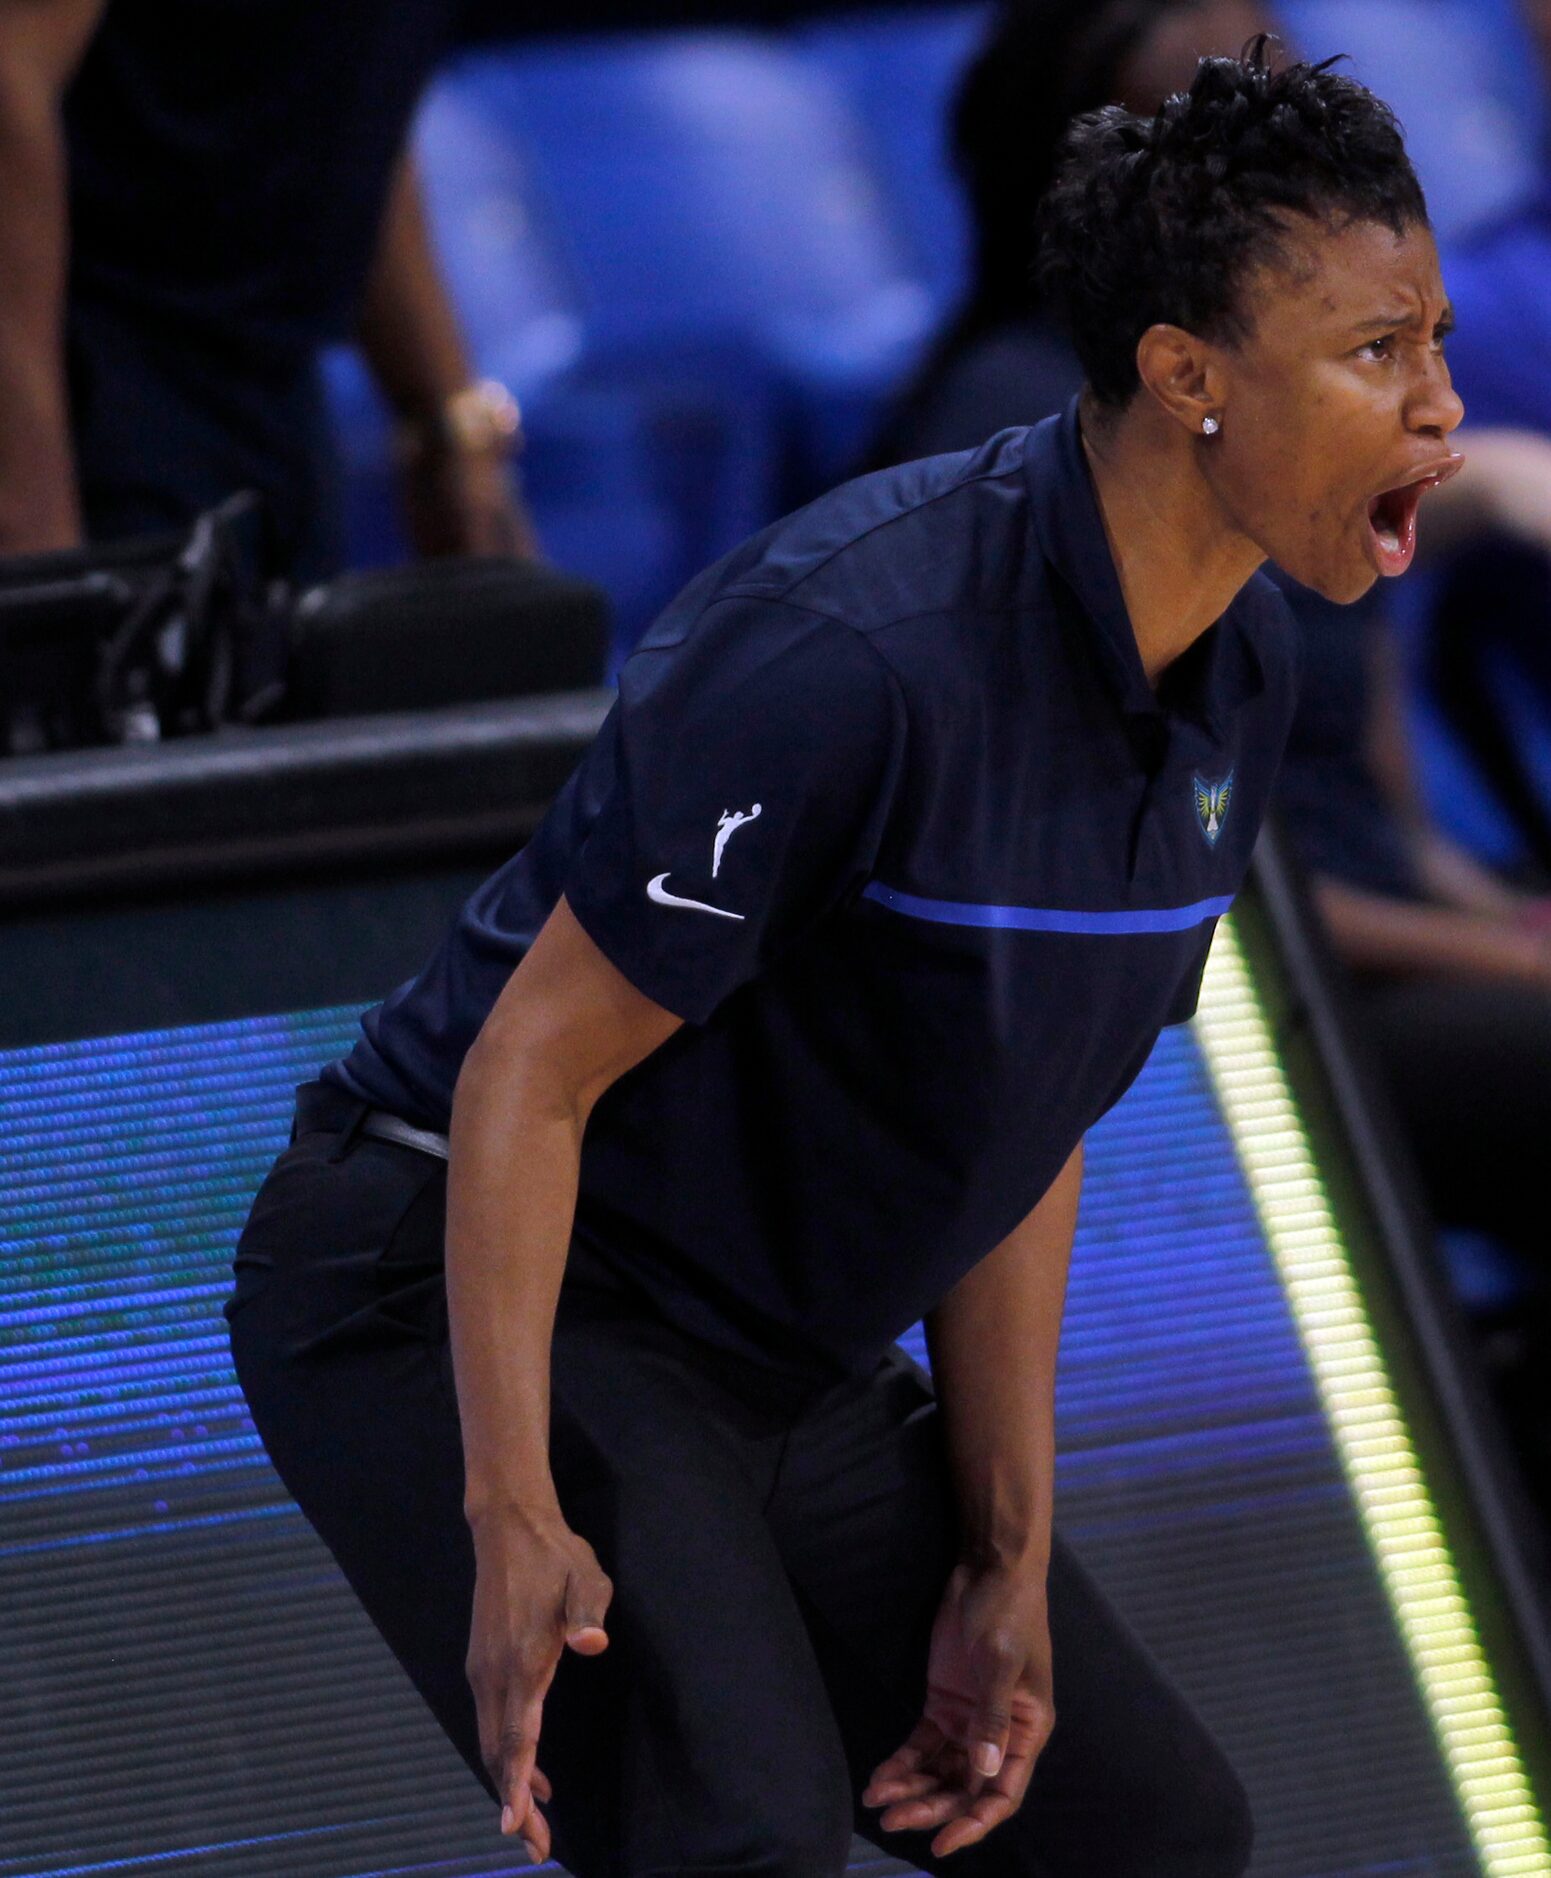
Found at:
(186, 1685)
(1377, 1452)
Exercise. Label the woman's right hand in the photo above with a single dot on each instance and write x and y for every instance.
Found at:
(538, 1589)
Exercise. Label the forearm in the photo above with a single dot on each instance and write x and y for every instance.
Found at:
(564, 1029)
(408, 329)
(511, 1195)
(993, 1342)
(38, 505)
(453, 438)
(1373, 932)
(1454, 877)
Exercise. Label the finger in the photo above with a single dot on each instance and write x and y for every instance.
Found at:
(1017, 1772)
(535, 1834)
(587, 1598)
(924, 1740)
(934, 1809)
(998, 1800)
(516, 1748)
(983, 1727)
(988, 1811)
(902, 1787)
(488, 1719)
(540, 1785)
(923, 1786)
(938, 1765)
(985, 1737)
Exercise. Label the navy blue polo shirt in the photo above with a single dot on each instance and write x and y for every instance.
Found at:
(887, 810)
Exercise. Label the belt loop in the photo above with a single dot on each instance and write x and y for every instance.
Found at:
(347, 1135)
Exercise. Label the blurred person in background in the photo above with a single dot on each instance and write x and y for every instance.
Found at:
(194, 201)
(1450, 966)
(1003, 358)
(1491, 624)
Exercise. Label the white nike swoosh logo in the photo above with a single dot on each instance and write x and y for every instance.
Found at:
(655, 890)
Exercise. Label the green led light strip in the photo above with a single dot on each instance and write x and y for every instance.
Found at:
(1376, 1451)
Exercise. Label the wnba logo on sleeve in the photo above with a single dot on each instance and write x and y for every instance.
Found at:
(732, 820)
(657, 889)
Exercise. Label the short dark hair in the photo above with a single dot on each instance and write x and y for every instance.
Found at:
(1161, 219)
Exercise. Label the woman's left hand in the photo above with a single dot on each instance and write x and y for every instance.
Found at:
(988, 1714)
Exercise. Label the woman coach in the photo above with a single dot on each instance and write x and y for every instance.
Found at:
(905, 837)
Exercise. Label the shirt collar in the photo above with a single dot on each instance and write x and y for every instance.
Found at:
(1211, 681)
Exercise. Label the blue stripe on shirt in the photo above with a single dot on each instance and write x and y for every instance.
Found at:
(1047, 918)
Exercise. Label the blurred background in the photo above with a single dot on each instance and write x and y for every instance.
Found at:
(370, 375)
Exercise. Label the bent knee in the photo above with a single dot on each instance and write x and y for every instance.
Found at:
(1210, 1830)
(809, 1839)
(814, 1842)
(1198, 1825)
(1233, 1832)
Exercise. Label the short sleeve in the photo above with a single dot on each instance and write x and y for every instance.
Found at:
(754, 766)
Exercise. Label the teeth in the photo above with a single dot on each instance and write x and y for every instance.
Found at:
(1388, 540)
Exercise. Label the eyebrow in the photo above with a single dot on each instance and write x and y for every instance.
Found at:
(1391, 322)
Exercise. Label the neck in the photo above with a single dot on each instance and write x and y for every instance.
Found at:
(1179, 557)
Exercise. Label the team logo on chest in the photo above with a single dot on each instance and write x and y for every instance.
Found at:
(1212, 800)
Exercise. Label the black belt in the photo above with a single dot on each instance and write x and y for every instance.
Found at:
(323, 1107)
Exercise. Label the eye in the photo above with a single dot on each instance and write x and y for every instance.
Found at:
(1379, 349)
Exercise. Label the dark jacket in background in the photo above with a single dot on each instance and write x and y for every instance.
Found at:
(229, 164)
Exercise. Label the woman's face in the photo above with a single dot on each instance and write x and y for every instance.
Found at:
(1336, 410)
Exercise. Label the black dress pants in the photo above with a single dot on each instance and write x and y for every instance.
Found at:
(776, 1568)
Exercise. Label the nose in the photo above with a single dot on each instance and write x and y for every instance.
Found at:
(1436, 407)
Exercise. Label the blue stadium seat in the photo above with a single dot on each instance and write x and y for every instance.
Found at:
(1460, 799)
(504, 263)
(720, 212)
(697, 423)
(1516, 61)
(1452, 72)
(1524, 711)
(637, 474)
(900, 67)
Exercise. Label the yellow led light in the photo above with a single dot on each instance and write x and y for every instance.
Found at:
(1377, 1455)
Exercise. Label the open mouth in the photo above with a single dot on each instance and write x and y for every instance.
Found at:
(1392, 518)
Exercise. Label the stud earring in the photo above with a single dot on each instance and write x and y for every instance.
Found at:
(1211, 426)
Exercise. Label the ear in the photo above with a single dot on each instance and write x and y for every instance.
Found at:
(1181, 373)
